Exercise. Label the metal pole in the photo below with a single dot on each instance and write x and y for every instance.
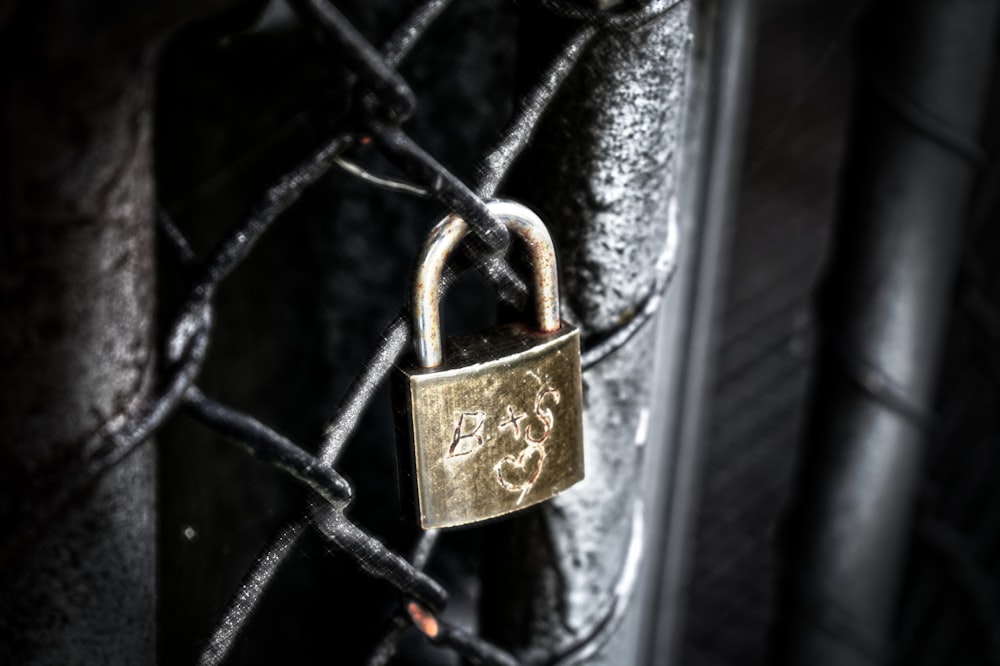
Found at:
(602, 173)
(720, 74)
(76, 327)
(905, 199)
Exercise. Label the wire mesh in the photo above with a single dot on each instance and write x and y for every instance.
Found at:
(383, 102)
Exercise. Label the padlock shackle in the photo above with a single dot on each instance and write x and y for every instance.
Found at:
(444, 238)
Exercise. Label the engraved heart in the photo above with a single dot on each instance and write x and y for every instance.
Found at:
(519, 473)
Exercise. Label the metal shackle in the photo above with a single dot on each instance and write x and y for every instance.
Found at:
(445, 237)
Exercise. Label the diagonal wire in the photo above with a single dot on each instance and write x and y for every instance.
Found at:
(521, 128)
(270, 448)
(252, 588)
(385, 649)
(396, 336)
(370, 64)
(389, 97)
(278, 198)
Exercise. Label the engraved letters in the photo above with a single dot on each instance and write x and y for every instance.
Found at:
(468, 434)
(515, 473)
(513, 422)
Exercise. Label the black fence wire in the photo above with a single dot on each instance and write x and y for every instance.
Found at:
(383, 102)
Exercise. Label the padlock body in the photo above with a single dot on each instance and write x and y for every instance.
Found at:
(498, 427)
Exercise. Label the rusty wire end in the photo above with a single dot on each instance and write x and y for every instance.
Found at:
(423, 620)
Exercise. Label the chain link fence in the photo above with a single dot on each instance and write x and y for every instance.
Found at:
(381, 103)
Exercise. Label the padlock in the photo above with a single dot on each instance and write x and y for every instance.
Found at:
(494, 423)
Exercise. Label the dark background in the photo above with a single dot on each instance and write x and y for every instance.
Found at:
(806, 70)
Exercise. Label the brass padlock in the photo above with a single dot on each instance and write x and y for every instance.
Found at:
(495, 424)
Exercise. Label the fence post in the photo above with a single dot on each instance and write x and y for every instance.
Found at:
(602, 174)
(77, 326)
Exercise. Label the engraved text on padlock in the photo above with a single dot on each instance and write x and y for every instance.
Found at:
(495, 422)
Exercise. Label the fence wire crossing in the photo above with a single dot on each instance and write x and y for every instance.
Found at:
(384, 103)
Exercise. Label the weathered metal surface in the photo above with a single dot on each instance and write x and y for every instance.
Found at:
(601, 173)
(77, 579)
(716, 100)
(498, 427)
(76, 350)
